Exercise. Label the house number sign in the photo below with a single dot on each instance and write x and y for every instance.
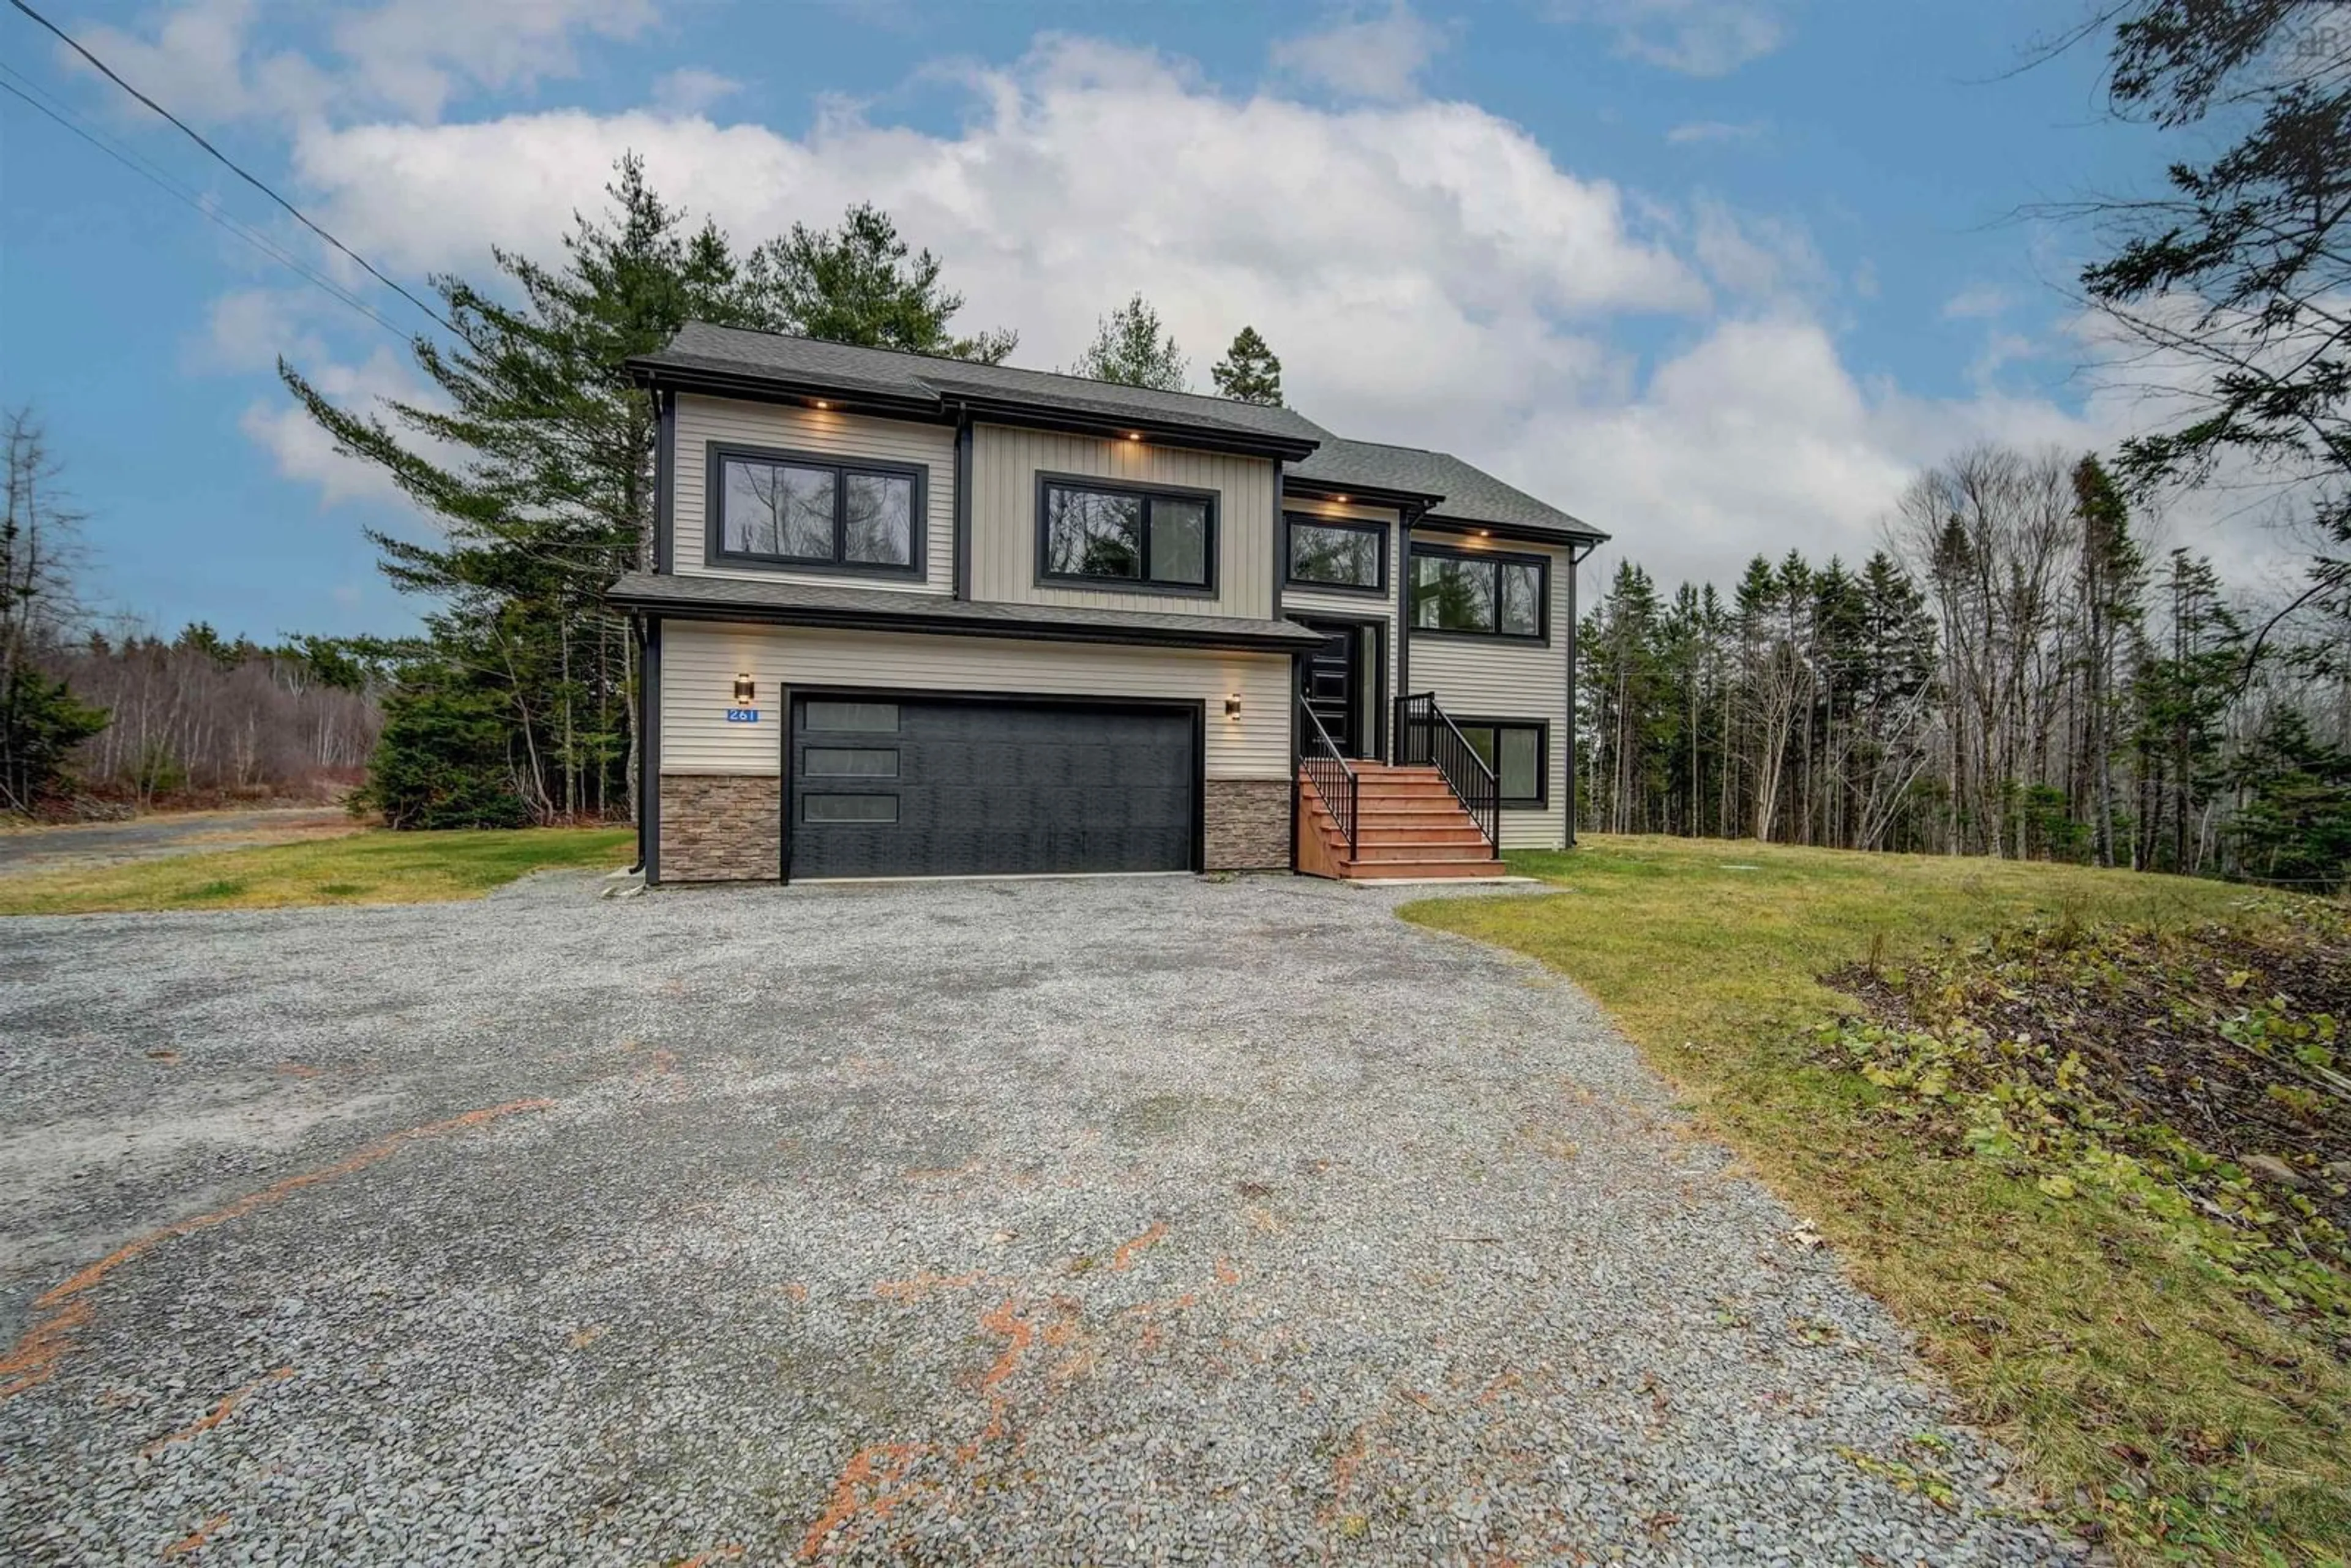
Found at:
(742, 715)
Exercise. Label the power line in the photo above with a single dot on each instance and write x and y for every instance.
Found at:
(253, 238)
(234, 167)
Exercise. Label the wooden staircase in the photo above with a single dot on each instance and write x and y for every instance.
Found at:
(1411, 826)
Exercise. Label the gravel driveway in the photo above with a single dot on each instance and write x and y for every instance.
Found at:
(1124, 1220)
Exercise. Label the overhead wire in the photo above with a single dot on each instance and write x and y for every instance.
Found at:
(29, 93)
(235, 167)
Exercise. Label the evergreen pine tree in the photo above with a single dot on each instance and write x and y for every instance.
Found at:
(1248, 373)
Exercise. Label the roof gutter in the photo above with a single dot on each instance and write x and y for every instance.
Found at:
(778, 389)
(1589, 539)
(1158, 432)
(1372, 495)
(834, 618)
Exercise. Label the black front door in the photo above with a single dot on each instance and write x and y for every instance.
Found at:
(1332, 679)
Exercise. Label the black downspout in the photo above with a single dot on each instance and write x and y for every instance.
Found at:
(1574, 559)
(1297, 661)
(1404, 633)
(649, 790)
(1281, 550)
(666, 482)
(963, 506)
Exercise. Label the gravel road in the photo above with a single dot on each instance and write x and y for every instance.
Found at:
(1111, 1221)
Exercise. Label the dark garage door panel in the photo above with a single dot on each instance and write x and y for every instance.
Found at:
(995, 789)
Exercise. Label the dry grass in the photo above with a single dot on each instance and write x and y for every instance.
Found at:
(2155, 1407)
(373, 867)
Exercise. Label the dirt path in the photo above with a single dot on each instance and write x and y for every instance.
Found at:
(24, 850)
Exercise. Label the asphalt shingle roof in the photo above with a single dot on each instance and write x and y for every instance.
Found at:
(1467, 494)
(819, 603)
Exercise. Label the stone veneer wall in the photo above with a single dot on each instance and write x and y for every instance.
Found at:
(724, 827)
(721, 827)
(1247, 824)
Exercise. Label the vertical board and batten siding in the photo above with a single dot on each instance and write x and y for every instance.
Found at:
(701, 660)
(1005, 462)
(740, 422)
(1311, 602)
(1493, 678)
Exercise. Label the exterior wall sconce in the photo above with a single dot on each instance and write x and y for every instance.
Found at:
(1233, 705)
(747, 691)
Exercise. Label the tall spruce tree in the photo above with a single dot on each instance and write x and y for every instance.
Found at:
(858, 284)
(1248, 373)
(537, 465)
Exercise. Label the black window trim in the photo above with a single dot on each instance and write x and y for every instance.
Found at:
(1541, 637)
(842, 464)
(1540, 800)
(1377, 529)
(1047, 481)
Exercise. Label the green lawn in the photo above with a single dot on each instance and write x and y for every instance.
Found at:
(377, 867)
(2154, 1404)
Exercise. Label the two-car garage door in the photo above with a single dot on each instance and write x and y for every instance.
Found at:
(975, 787)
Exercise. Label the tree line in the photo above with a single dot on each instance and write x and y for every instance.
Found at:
(2012, 674)
(91, 715)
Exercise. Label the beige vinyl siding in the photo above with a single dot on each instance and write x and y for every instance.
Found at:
(1493, 678)
(1309, 602)
(703, 420)
(699, 663)
(1005, 465)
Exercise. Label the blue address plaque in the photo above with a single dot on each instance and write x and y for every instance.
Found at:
(742, 715)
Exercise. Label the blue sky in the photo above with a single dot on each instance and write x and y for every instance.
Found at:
(1715, 273)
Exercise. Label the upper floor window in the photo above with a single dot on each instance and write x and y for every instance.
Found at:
(1120, 536)
(1479, 593)
(1329, 553)
(803, 510)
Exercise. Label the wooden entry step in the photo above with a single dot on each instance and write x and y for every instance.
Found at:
(1409, 825)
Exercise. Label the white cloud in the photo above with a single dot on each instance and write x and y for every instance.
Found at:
(1483, 321)
(1977, 301)
(1755, 439)
(303, 451)
(693, 90)
(1702, 130)
(248, 329)
(410, 55)
(1755, 256)
(1696, 37)
(1376, 57)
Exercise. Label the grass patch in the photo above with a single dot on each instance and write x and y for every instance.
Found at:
(2161, 1406)
(377, 867)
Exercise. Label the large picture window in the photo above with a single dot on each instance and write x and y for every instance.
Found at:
(1329, 553)
(806, 511)
(1116, 536)
(1516, 750)
(1480, 594)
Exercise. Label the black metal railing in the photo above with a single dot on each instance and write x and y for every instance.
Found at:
(1334, 777)
(1424, 736)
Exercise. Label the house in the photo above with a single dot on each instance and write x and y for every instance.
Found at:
(914, 616)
